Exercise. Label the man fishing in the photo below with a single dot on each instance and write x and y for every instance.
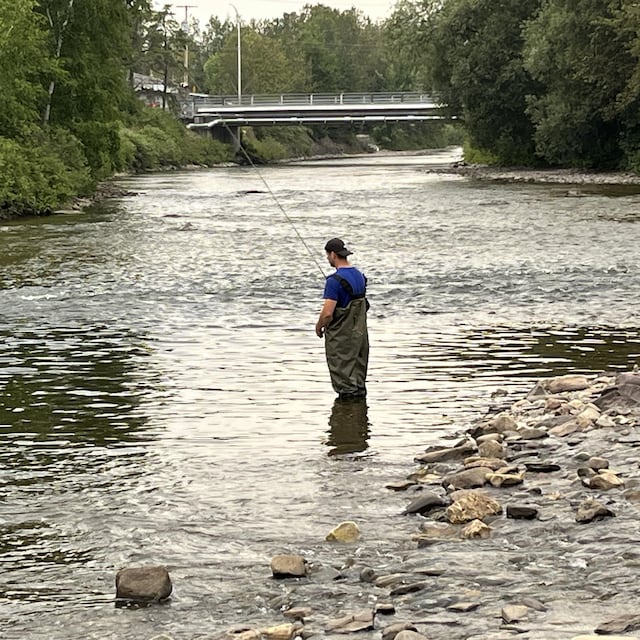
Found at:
(343, 323)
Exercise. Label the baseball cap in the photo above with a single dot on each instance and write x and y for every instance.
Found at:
(338, 246)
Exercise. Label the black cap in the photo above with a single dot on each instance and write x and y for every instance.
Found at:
(337, 246)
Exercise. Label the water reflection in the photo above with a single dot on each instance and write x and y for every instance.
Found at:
(349, 427)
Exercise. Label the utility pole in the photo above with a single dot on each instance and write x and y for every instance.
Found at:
(185, 28)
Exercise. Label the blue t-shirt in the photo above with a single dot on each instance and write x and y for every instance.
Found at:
(333, 289)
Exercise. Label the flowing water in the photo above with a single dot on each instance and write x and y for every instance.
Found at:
(164, 399)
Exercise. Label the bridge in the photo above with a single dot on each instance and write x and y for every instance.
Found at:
(205, 112)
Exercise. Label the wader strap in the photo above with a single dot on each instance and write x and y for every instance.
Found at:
(346, 285)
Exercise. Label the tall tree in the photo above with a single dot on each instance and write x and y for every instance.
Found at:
(23, 59)
(473, 55)
(582, 55)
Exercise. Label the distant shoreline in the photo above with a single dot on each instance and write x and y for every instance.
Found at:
(543, 176)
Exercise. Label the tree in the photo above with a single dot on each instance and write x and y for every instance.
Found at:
(265, 66)
(581, 55)
(23, 58)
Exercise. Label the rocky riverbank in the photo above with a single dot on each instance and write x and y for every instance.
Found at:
(525, 527)
(542, 176)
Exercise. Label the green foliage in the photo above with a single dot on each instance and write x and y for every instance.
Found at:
(473, 50)
(262, 150)
(101, 142)
(582, 58)
(298, 141)
(413, 136)
(23, 57)
(41, 173)
(158, 141)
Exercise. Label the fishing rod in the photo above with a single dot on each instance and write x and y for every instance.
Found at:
(238, 143)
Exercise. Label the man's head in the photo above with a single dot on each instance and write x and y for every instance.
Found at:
(338, 247)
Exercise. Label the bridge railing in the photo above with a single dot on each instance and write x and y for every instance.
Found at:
(196, 102)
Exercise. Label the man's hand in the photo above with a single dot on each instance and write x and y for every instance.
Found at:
(326, 315)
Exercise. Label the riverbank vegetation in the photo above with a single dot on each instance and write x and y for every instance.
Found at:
(544, 82)
(91, 87)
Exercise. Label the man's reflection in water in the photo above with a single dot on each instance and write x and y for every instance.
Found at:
(349, 426)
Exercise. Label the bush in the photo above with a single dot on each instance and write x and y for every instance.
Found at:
(101, 142)
(41, 173)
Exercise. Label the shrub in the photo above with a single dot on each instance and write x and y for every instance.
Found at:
(41, 173)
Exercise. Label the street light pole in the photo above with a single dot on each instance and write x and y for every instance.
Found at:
(185, 28)
(239, 64)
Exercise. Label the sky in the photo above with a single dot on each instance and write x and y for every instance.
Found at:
(265, 9)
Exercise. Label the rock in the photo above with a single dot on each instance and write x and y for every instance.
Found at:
(472, 505)
(425, 503)
(298, 613)
(605, 480)
(501, 423)
(443, 454)
(491, 449)
(588, 416)
(407, 634)
(605, 422)
(284, 631)
(505, 479)
(359, 621)
(591, 510)
(288, 566)
(391, 579)
(476, 529)
(467, 479)
(392, 630)
(565, 429)
(463, 607)
(562, 384)
(521, 512)
(514, 613)
(385, 608)
(609, 637)
(401, 486)
(553, 404)
(344, 532)
(629, 622)
(488, 463)
(411, 587)
(541, 467)
(143, 584)
(596, 463)
(242, 634)
(532, 433)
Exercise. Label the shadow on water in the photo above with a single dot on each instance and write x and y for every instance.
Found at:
(349, 427)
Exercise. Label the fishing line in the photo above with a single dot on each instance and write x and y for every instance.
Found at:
(273, 195)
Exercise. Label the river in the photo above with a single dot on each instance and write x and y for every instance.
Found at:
(164, 398)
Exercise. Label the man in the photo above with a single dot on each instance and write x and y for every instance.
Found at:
(343, 323)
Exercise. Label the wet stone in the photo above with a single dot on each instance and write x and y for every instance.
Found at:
(591, 510)
(349, 623)
(391, 631)
(288, 566)
(407, 634)
(521, 512)
(541, 467)
(620, 624)
(143, 584)
(425, 503)
(514, 613)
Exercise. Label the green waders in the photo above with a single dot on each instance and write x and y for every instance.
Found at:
(346, 343)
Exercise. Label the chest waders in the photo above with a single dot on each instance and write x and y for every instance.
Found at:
(346, 342)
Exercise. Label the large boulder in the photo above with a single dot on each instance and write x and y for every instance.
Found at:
(143, 584)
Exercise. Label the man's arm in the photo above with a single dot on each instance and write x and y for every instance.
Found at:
(326, 315)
